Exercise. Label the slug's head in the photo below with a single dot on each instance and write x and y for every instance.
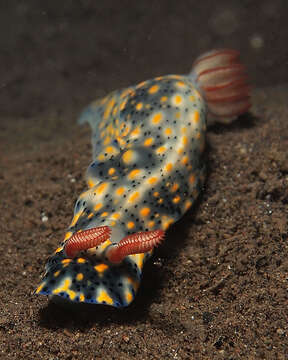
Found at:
(90, 268)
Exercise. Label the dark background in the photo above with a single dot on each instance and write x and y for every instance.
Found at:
(54, 53)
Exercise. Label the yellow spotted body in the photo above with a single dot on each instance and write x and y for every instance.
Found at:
(148, 143)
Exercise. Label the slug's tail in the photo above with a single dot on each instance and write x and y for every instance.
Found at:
(222, 80)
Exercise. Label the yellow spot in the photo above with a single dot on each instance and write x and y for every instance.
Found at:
(90, 216)
(152, 180)
(138, 258)
(168, 131)
(184, 140)
(101, 157)
(151, 224)
(101, 268)
(192, 179)
(98, 206)
(120, 141)
(120, 191)
(167, 223)
(101, 188)
(139, 106)
(175, 187)
(157, 118)
(160, 201)
(105, 213)
(161, 149)
(75, 218)
(40, 287)
(111, 171)
(185, 160)
(103, 246)
(57, 273)
(169, 167)
(134, 173)
(128, 156)
(180, 83)
(134, 196)
(148, 141)
(125, 92)
(81, 261)
(64, 287)
(115, 216)
(153, 89)
(72, 294)
(183, 130)
(130, 225)
(135, 132)
(164, 98)
(67, 236)
(113, 223)
(192, 98)
(107, 140)
(196, 117)
(79, 277)
(141, 84)
(108, 108)
(103, 296)
(129, 296)
(90, 183)
(156, 194)
(123, 104)
(81, 297)
(198, 135)
(145, 211)
(187, 205)
(177, 115)
(176, 199)
(58, 250)
(66, 261)
(110, 150)
(177, 99)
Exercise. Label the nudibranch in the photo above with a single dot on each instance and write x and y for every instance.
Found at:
(147, 170)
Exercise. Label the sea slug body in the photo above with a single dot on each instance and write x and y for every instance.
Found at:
(147, 170)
